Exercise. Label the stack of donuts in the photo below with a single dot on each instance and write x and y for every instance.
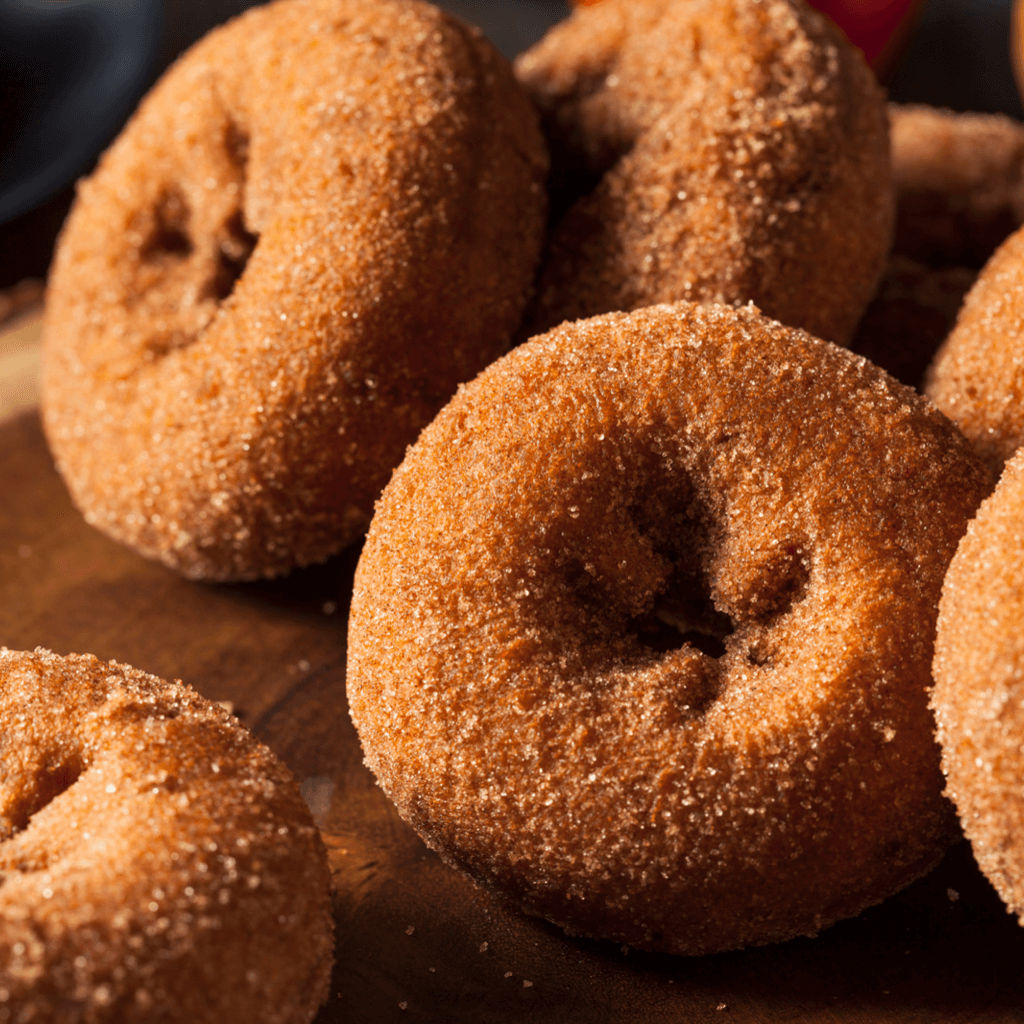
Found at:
(642, 632)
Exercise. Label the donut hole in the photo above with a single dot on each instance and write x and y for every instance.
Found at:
(49, 783)
(234, 241)
(680, 528)
(684, 615)
(168, 238)
(235, 246)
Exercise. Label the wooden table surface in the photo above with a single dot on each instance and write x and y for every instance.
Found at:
(416, 941)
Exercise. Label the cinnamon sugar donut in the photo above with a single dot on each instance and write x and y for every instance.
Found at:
(977, 376)
(959, 183)
(324, 217)
(643, 626)
(979, 685)
(715, 150)
(156, 862)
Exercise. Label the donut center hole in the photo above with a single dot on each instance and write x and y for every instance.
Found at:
(235, 242)
(684, 614)
(234, 248)
(169, 237)
(50, 783)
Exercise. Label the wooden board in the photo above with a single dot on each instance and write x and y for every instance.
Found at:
(19, 360)
(416, 941)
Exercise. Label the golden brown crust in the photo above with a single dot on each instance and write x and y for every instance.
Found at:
(389, 172)
(742, 152)
(977, 377)
(156, 862)
(979, 685)
(605, 474)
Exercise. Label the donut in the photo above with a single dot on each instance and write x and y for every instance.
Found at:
(324, 217)
(959, 192)
(959, 182)
(641, 633)
(977, 378)
(156, 862)
(714, 150)
(979, 686)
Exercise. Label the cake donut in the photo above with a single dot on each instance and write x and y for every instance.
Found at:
(979, 686)
(643, 626)
(156, 862)
(959, 193)
(324, 217)
(959, 183)
(977, 378)
(714, 150)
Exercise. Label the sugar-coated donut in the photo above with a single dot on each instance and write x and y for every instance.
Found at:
(977, 376)
(959, 183)
(979, 685)
(325, 216)
(716, 150)
(156, 862)
(788, 508)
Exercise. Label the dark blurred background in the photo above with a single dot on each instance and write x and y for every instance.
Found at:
(71, 71)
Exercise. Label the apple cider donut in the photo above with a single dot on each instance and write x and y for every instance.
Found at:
(714, 150)
(323, 218)
(959, 185)
(979, 685)
(977, 376)
(157, 863)
(642, 629)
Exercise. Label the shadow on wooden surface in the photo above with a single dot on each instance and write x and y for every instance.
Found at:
(416, 941)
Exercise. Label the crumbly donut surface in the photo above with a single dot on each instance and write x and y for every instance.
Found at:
(157, 863)
(979, 685)
(977, 376)
(698, 465)
(724, 150)
(325, 216)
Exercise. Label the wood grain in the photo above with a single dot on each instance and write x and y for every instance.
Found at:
(416, 941)
(19, 361)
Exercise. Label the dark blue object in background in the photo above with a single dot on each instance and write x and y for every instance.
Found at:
(71, 72)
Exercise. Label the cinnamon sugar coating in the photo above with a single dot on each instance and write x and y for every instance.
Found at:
(157, 863)
(325, 216)
(517, 666)
(714, 150)
(979, 686)
(977, 376)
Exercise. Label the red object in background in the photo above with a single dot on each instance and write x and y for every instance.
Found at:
(876, 26)
(880, 28)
